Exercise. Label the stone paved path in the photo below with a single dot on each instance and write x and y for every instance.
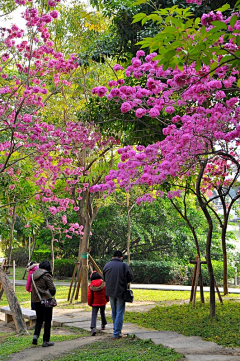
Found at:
(193, 348)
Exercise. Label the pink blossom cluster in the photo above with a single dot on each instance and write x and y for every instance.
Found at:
(198, 2)
(57, 150)
(203, 118)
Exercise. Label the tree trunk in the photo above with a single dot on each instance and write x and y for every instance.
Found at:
(184, 216)
(32, 250)
(129, 229)
(13, 304)
(203, 206)
(225, 265)
(11, 235)
(52, 252)
(84, 261)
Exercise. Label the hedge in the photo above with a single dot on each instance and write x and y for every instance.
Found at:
(63, 268)
(20, 255)
(40, 255)
(148, 272)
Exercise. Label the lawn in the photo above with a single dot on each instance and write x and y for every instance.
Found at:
(223, 329)
(126, 349)
(12, 343)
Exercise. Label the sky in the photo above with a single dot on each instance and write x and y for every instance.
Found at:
(20, 22)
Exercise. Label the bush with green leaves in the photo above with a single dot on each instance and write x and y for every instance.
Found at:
(218, 273)
(40, 255)
(20, 255)
(63, 268)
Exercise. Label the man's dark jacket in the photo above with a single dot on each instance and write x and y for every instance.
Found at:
(117, 275)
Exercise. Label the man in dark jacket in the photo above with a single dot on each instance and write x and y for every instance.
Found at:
(117, 275)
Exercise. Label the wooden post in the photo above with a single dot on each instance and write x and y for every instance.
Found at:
(73, 276)
(196, 281)
(219, 296)
(14, 275)
(193, 281)
(197, 275)
(79, 283)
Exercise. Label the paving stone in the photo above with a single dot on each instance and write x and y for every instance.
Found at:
(212, 358)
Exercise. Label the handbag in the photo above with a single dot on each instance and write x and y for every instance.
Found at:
(128, 295)
(50, 302)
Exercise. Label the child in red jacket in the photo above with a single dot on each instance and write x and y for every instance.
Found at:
(97, 299)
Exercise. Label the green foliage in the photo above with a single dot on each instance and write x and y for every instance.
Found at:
(181, 39)
(20, 255)
(123, 126)
(156, 229)
(194, 321)
(126, 349)
(152, 272)
(120, 41)
(218, 273)
(42, 254)
(63, 268)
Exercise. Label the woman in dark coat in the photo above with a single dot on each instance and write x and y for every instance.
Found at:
(44, 282)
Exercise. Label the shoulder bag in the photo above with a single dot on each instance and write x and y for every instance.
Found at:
(128, 294)
(50, 302)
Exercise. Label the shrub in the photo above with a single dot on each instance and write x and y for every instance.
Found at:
(153, 272)
(63, 268)
(41, 254)
(218, 273)
(20, 255)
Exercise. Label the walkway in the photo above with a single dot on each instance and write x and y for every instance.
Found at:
(193, 348)
(149, 287)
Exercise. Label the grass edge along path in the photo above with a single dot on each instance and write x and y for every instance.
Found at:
(223, 329)
(11, 343)
(125, 349)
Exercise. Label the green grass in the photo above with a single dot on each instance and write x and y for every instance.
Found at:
(126, 349)
(139, 295)
(12, 343)
(223, 329)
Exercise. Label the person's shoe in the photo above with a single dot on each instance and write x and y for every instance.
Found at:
(35, 340)
(47, 343)
(93, 332)
(103, 327)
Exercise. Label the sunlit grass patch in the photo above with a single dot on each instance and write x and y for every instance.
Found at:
(223, 329)
(126, 349)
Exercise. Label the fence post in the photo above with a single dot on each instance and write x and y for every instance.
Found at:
(236, 276)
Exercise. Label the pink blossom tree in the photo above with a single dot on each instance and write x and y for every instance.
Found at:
(201, 130)
(31, 73)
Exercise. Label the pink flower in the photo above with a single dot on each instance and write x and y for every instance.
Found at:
(12, 186)
(117, 67)
(54, 14)
(169, 109)
(125, 107)
(20, 2)
(76, 208)
(140, 112)
(140, 53)
(154, 112)
(64, 219)
(52, 3)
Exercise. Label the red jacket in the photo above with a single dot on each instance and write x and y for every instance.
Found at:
(31, 270)
(96, 293)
